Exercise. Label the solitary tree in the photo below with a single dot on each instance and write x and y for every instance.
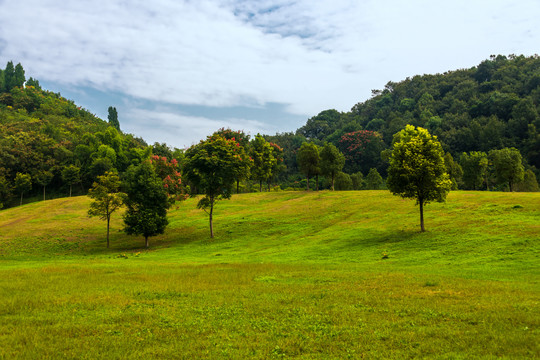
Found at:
(113, 118)
(146, 201)
(211, 166)
(508, 166)
(417, 169)
(332, 161)
(71, 175)
(309, 161)
(23, 183)
(107, 198)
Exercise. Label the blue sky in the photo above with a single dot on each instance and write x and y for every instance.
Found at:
(178, 70)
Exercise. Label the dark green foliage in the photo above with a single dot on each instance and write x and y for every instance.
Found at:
(475, 166)
(5, 191)
(358, 182)
(343, 181)
(23, 183)
(332, 161)
(309, 161)
(454, 170)
(146, 202)
(508, 166)
(44, 178)
(373, 180)
(71, 175)
(113, 118)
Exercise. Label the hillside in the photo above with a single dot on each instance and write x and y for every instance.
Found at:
(490, 106)
(42, 133)
(289, 274)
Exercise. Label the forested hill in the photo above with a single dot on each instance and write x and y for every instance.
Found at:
(491, 106)
(42, 134)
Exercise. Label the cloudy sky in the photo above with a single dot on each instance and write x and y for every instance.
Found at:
(178, 70)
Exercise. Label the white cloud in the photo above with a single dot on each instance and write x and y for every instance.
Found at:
(312, 55)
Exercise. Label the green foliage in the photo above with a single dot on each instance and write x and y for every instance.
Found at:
(212, 167)
(23, 183)
(529, 182)
(5, 191)
(309, 161)
(343, 181)
(146, 201)
(332, 161)
(362, 150)
(169, 173)
(358, 182)
(373, 180)
(44, 178)
(264, 161)
(475, 166)
(417, 169)
(113, 118)
(454, 170)
(107, 198)
(71, 175)
(508, 166)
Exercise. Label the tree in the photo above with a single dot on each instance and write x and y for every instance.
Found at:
(71, 175)
(279, 166)
(113, 118)
(309, 161)
(146, 202)
(332, 161)
(343, 181)
(23, 183)
(417, 169)
(454, 170)
(475, 166)
(168, 172)
(263, 160)
(107, 198)
(244, 170)
(18, 76)
(5, 191)
(373, 180)
(358, 181)
(212, 166)
(44, 178)
(362, 150)
(508, 166)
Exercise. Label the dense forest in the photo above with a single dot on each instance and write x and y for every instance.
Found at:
(481, 115)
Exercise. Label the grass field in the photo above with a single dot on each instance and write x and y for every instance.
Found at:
(288, 275)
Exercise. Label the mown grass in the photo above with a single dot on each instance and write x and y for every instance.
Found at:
(288, 275)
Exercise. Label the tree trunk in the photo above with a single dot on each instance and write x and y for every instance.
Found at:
(333, 176)
(21, 199)
(317, 183)
(146, 241)
(268, 186)
(108, 222)
(307, 182)
(510, 186)
(211, 219)
(70, 190)
(237, 186)
(43, 193)
(422, 216)
(260, 185)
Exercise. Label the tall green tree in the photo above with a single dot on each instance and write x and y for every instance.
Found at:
(71, 174)
(454, 170)
(146, 202)
(113, 118)
(374, 180)
(5, 191)
(44, 178)
(23, 183)
(508, 166)
(475, 166)
(211, 167)
(263, 160)
(417, 169)
(107, 198)
(18, 76)
(332, 161)
(309, 161)
(243, 171)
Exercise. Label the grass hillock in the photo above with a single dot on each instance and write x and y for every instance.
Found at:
(289, 274)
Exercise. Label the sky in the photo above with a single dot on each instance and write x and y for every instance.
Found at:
(178, 70)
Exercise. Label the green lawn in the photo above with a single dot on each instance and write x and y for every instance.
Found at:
(288, 275)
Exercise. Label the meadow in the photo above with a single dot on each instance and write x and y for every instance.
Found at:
(318, 275)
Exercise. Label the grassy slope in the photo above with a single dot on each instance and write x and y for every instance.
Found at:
(288, 274)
